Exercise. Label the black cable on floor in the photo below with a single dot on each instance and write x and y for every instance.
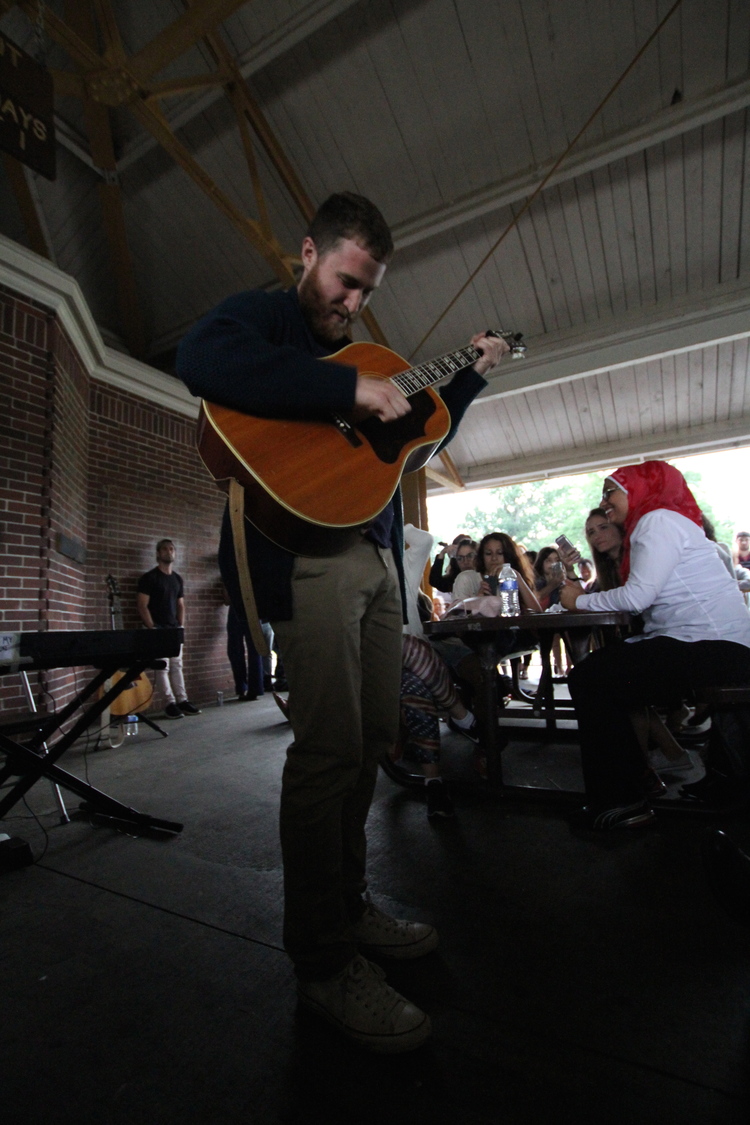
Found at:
(162, 909)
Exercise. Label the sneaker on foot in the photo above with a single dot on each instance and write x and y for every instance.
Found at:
(189, 708)
(662, 764)
(393, 937)
(366, 1009)
(601, 820)
(439, 801)
(173, 711)
(472, 733)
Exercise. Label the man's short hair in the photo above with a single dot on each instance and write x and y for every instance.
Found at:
(346, 215)
(162, 542)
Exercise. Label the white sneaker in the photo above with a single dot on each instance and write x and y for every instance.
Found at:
(393, 937)
(662, 764)
(366, 1009)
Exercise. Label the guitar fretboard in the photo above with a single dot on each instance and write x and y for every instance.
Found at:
(417, 378)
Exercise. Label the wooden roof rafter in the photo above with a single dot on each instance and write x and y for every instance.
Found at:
(27, 206)
(111, 78)
(99, 132)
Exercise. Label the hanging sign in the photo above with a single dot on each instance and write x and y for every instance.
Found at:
(27, 124)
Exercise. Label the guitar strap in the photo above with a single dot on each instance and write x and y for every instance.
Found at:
(237, 517)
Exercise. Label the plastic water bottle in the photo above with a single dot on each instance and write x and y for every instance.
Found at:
(508, 591)
(132, 727)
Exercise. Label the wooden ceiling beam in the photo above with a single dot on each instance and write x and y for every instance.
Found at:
(263, 131)
(662, 126)
(711, 437)
(706, 318)
(296, 28)
(441, 478)
(252, 164)
(114, 50)
(276, 154)
(153, 120)
(185, 85)
(17, 177)
(199, 19)
(68, 84)
(451, 470)
(98, 128)
(64, 35)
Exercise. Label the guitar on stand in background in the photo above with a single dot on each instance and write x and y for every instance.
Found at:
(130, 704)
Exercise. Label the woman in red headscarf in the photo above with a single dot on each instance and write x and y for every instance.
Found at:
(696, 631)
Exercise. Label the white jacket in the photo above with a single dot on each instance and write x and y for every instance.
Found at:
(679, 584)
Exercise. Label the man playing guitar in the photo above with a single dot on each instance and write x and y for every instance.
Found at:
(337, 618)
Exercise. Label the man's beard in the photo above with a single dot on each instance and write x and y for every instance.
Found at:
(318, 312)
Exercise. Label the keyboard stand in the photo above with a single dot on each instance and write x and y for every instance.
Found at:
(22, 739)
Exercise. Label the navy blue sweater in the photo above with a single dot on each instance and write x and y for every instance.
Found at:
(255, 353)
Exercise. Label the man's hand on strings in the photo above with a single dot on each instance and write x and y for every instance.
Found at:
(493, 348)
(379, 397)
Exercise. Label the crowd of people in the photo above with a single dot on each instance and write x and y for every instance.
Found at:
(652, 552)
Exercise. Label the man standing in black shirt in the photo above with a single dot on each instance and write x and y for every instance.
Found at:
(338, 620)
(161, 605)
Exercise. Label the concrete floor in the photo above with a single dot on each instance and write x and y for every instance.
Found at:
(577, 979)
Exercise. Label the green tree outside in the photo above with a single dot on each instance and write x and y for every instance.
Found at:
(536, 512)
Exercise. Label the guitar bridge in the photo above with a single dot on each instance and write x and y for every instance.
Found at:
(347, 430)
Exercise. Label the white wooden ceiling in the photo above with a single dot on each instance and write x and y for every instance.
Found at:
(629, 275)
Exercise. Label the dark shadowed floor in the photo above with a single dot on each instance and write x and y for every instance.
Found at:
(577, 979)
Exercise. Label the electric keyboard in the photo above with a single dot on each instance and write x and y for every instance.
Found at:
(100, 648)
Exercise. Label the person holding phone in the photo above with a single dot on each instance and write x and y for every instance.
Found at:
(550, 572)
(495, 550)
(549, 576)
(696, 633)
(461, 553)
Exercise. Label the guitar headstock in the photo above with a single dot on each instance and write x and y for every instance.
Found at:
(512, 339)
(113, 588)
(115, 606)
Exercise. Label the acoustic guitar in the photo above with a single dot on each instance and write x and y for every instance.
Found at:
(137, 695)
(311, 486)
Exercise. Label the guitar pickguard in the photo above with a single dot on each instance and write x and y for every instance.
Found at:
(389, 438)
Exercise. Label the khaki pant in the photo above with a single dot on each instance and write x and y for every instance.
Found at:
(170, 681)
(342, 658)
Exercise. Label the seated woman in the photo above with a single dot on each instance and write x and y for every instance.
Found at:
(495, 550)
(696, 632)
(605, 539)
(462, 553)
(427, 692)
(586, 573)
(549, 576)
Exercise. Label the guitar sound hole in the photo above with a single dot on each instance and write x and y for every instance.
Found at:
(389, 438)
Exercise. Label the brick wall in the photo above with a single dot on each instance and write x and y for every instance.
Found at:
(106, 470)
(147, 483)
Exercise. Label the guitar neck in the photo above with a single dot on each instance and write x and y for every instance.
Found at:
(417, 378)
